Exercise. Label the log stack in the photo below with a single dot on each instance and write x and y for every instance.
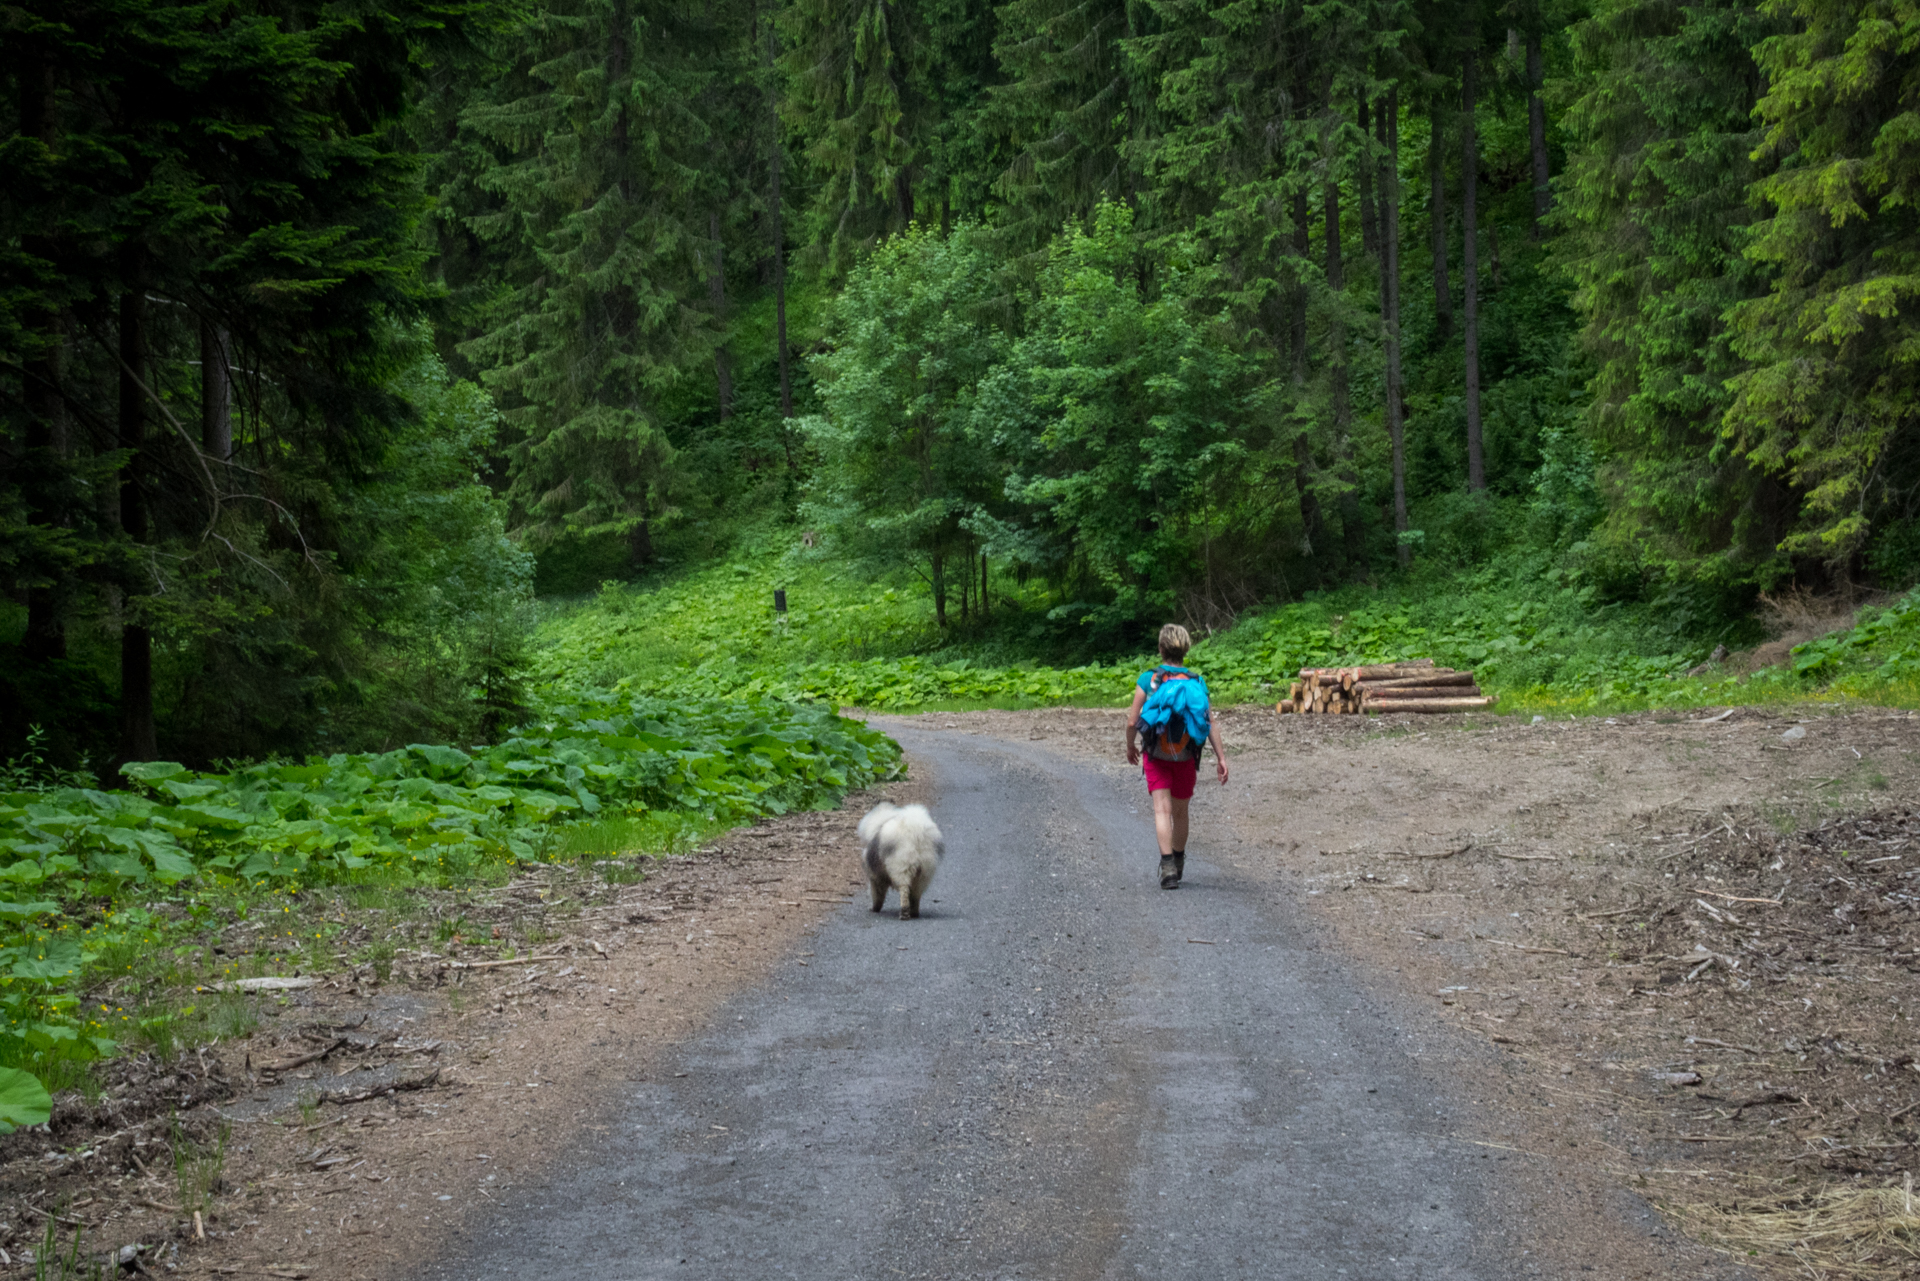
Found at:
(1412, 686)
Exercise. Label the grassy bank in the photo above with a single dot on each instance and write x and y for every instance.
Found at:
(109, 894)
(1543, 640)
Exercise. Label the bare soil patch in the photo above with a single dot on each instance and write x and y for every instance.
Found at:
(364, 1121)
(1695, 938)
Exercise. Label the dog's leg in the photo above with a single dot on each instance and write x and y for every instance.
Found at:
(877, 881)
(910, 895)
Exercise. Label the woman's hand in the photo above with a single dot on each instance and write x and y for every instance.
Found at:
(1133, 751)
(1220, 767)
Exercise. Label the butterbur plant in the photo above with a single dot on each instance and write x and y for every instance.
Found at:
(72, 858)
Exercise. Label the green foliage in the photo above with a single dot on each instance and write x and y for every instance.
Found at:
(1825, 401)
(886, 99)
(591, 144)
(77, 860)
(1881, 648)
(913, 684)
(911, 337)
(31, 771)
(23, 1100)
(724, 610)
(1128, 425)
(1521, 625)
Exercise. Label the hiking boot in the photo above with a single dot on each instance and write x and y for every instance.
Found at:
(1169, 872)
(1179, 865)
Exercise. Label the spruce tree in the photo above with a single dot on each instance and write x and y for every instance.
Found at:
(605, 220)
(1828, 401)
(1655, 203)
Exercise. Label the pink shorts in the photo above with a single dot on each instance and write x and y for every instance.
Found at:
(1177, 775)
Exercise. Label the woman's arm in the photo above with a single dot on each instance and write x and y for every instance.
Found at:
(1133, 726)
(1219, 756)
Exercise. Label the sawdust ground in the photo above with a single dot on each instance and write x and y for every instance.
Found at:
(1597, 899)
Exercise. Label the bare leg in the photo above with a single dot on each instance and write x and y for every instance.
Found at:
(1178, 819)
(1164, 820)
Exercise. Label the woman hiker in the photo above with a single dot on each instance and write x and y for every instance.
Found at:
(1174, 736)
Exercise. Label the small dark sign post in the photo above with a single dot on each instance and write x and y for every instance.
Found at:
(779, 600)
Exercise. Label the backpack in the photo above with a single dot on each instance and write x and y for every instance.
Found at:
(1175, 715)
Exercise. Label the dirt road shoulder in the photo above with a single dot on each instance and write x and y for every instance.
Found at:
(362, 1123)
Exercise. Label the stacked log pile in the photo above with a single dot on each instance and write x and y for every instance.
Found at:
(1412, 686)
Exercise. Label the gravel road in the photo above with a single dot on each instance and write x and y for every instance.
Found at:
(1059, 1071)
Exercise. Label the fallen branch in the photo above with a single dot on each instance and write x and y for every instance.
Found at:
(1735, 898)
(71, 1223)
(1524, 947)
(494, 965)
(304, 1059)
(379, 1091)
(1529, 858)
(1723, 1045)
(1764, 1100)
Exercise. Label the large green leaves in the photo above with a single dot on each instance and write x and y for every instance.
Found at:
(23, 1100)
(427, 811)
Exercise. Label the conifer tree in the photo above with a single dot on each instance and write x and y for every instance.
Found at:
(1071, 101)
(884, 96)
(1655, 199)
(1828, 401)
(607, 219)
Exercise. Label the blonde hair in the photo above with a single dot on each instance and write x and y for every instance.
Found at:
(1174, 642)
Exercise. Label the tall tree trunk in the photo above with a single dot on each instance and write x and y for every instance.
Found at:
(1353, 535)
(216, 392)
(43, 373)
(717, 298)
(939, 589)
(966, 585)
(986, 614)
(1312, 521)
(1437, 219)
(1470, 266)
(137, 740)
(1369, 223)
(779, 246)
(1537, 132)
(1390, 313)
(1297, 295)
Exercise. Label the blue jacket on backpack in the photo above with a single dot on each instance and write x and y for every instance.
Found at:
(1176, 711)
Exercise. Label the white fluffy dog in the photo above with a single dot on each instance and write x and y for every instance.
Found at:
(901, 849)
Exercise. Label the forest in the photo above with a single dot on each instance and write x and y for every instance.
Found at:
(438, 392)
(335, 333)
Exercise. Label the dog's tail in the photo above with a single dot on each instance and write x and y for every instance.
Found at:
(875, 819)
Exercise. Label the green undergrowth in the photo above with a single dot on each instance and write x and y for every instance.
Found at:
(724, 613)
(1536, 634)
(96, 884)
(1546, 645)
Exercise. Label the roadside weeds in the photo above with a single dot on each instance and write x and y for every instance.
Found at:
(350, 1122)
